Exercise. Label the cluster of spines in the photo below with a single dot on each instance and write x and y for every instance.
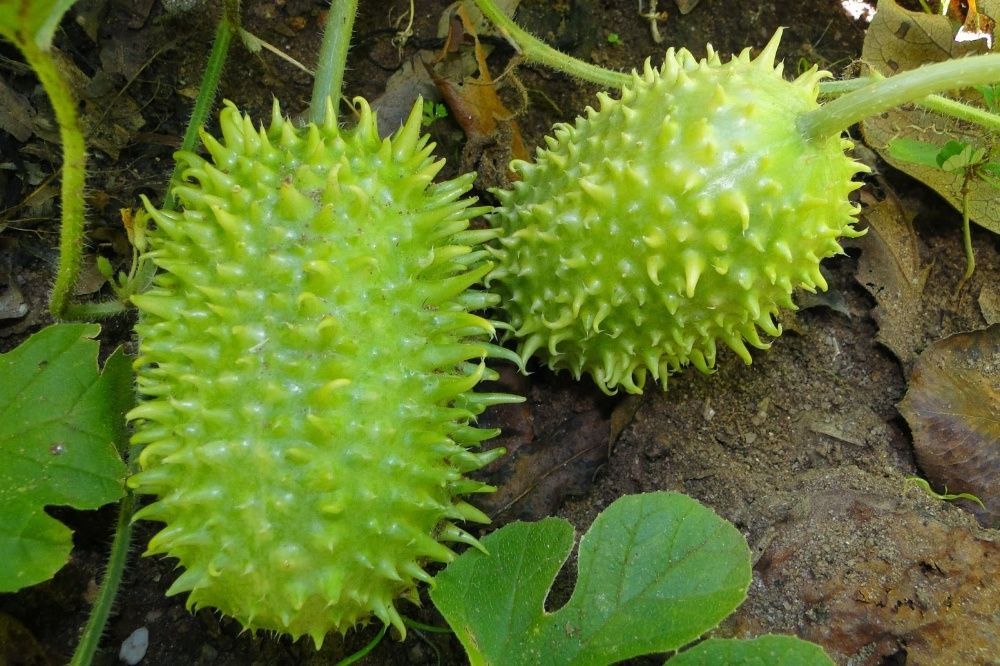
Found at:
(307, 358)
(637, 239)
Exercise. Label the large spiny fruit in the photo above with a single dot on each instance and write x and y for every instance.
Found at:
(682, 214)
(308, 356)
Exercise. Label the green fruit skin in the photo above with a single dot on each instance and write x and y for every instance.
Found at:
(307, 359)
(680, 215)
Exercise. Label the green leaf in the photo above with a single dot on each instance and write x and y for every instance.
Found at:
(923, 153)
(957, 156)
(655, 572)
(763, 651)
(61, 428)
(27, 21)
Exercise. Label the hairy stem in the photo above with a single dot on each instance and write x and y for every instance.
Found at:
(74, 174)
(93, 310)
(332, 58)
(839, 114)
(844, 86)
(91, 637)
(956, 109)
(535, 50)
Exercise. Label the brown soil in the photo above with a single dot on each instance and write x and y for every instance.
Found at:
(803, 451)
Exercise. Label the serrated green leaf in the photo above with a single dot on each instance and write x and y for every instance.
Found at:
(61, 425)
(24, 21)
(655, 572)
(763, 651)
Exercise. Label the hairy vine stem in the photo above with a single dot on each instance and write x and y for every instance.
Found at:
(229, 25)
(91, 637)
(538, 51)
(74, 173)
(332, 58)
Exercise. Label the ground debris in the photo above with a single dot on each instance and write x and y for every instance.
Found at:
(885, 583)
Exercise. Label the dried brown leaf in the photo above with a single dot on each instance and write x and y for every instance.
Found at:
(953, 408)
(891, 270)
(16, 113)
(109, 122)
(407, 83)
(475, 104)
(901, 573)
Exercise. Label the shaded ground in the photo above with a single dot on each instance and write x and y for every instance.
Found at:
(804, 450)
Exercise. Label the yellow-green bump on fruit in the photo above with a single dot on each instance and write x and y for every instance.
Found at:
(307, 358)
(680, 215)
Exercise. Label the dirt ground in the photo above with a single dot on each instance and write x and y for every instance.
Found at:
(804, 450)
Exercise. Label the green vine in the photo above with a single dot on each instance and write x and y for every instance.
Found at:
(74, 173)
(915, 84)
(332, 59)
(91, 637)
(538, 51)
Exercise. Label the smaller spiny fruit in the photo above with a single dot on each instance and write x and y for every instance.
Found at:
(682, 214)
(307, 358)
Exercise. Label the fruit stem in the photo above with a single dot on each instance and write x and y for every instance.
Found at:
(836, 116)
(844, 86)
(332, 58)
(535, 50)
(936, 103)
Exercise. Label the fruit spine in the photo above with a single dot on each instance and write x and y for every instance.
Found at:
(307, 356)
(682, 214)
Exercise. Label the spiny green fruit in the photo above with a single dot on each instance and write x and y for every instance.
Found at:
(308, 356)
(682, 214)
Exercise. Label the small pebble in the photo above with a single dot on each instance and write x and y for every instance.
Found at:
(133, 648)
